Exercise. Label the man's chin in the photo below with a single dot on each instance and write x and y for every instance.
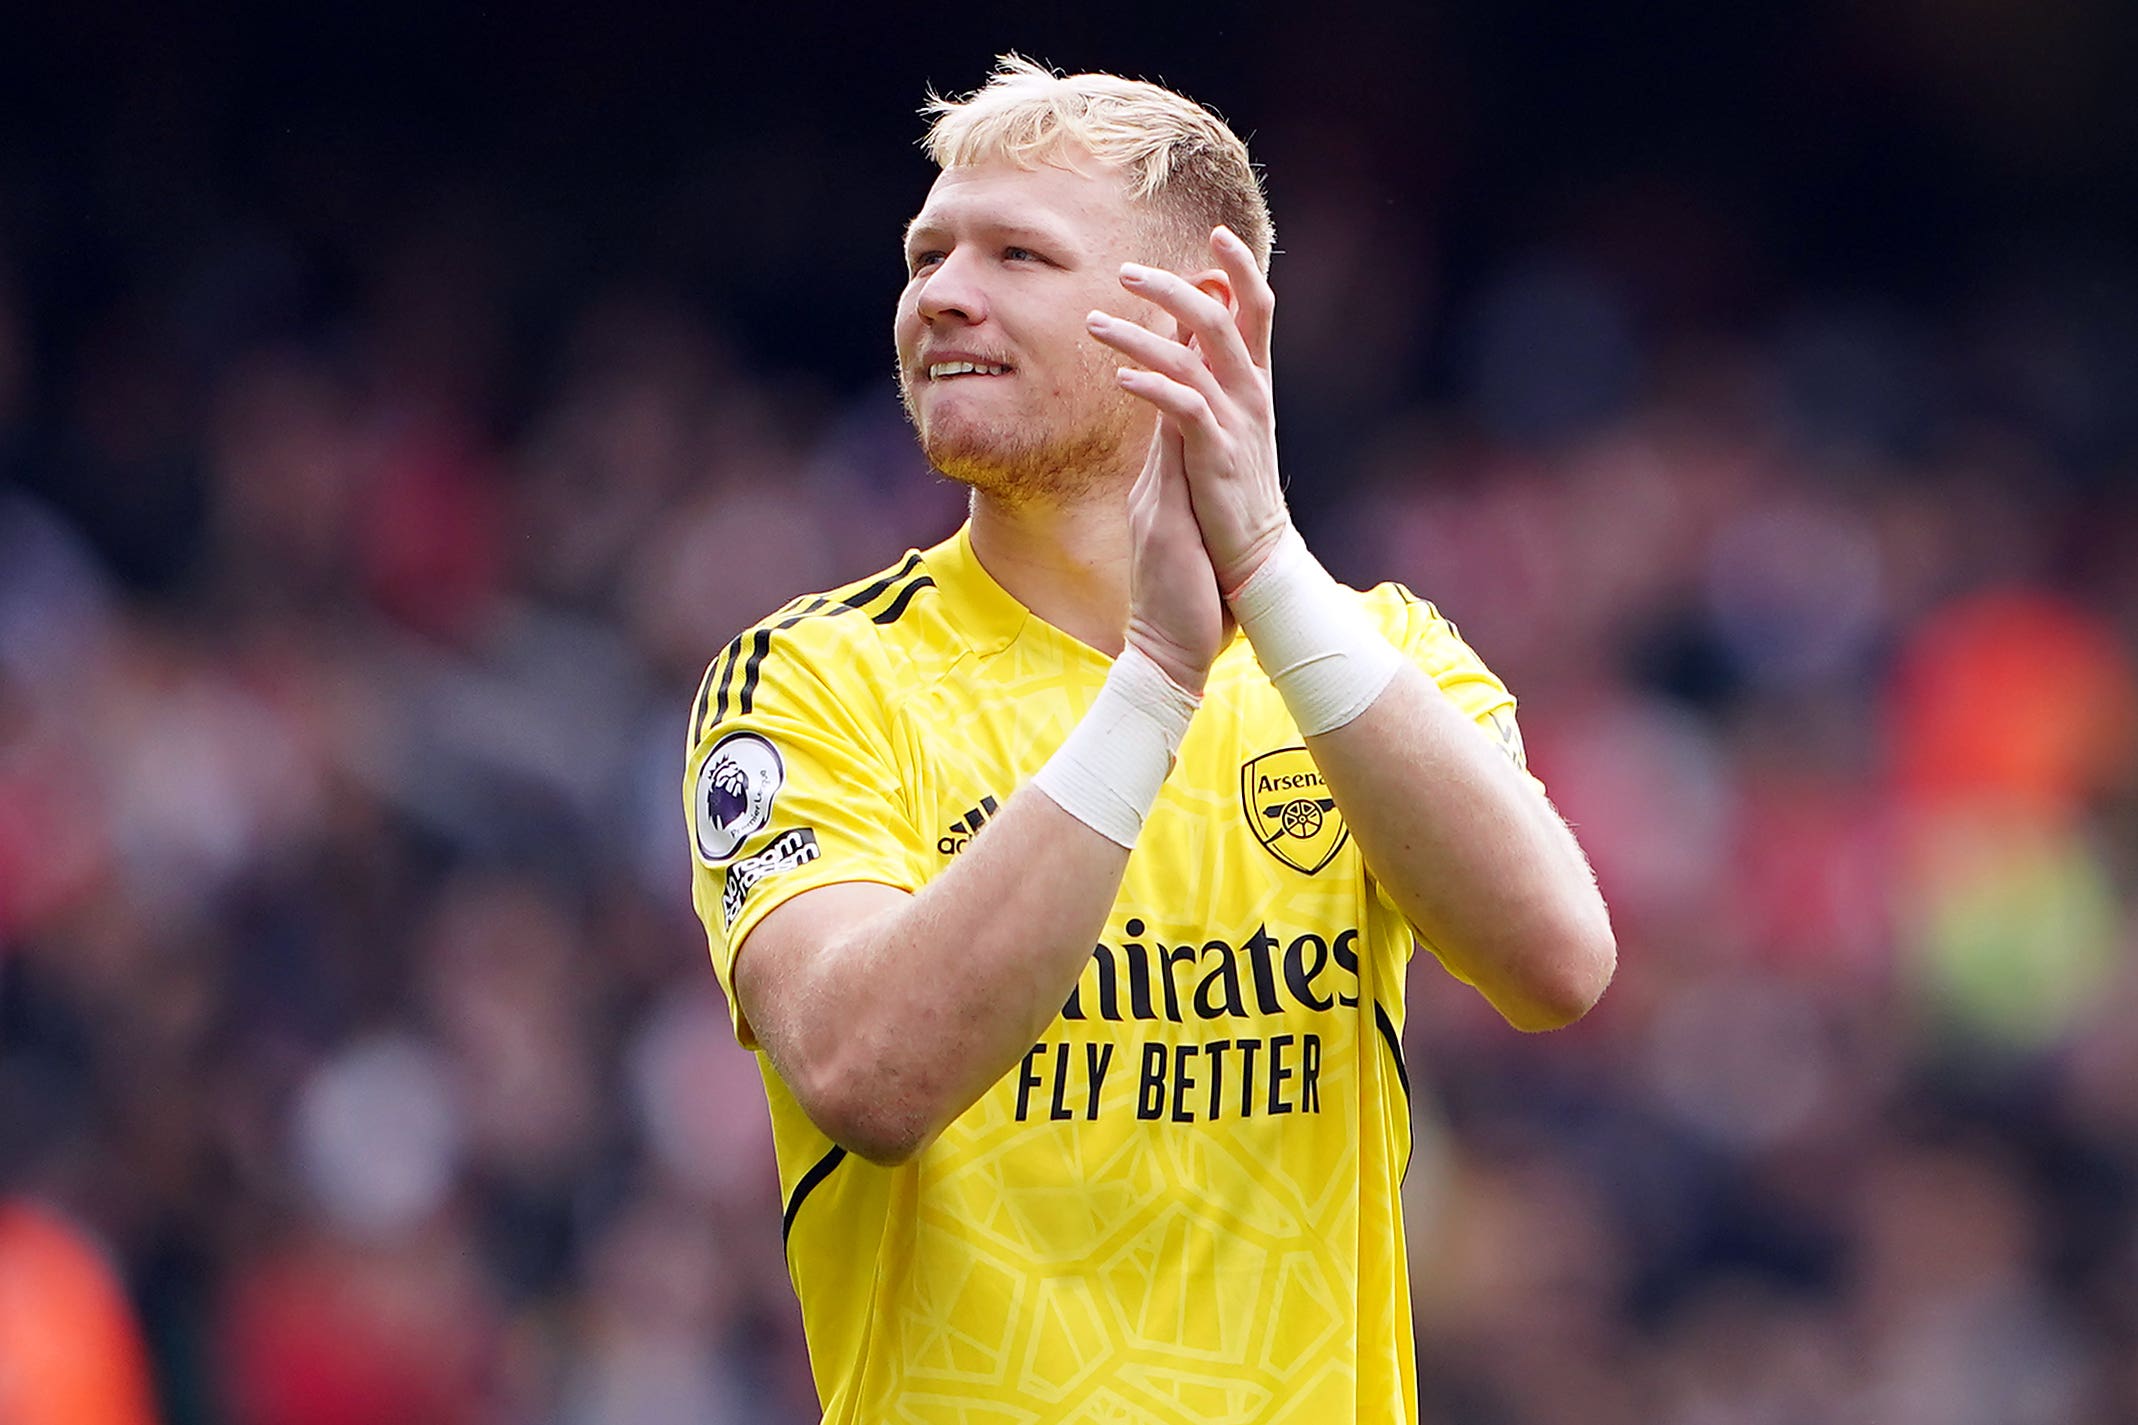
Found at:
(976, 458)
(1013, 465)
(986, 468)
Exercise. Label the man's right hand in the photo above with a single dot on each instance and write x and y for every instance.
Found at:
(1176, 614)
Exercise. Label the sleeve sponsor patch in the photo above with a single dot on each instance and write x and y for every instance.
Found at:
(732, 798)
(787, 851)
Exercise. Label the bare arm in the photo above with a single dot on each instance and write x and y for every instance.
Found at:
(1480, 863)
(1471, 854)
(888, 1014)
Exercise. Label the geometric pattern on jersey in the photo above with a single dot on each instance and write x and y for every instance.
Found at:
(1183, 1205)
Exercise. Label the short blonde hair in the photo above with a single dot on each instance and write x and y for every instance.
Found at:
(1179, 156)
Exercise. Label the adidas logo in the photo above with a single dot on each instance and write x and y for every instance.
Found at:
(966, 827)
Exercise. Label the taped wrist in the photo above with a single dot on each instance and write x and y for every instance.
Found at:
(1107, 772)
(1316, 644)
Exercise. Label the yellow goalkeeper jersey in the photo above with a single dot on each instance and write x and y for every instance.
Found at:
(1182, 1205)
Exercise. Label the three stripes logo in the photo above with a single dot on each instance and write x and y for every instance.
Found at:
(966, 827)
(731, 683)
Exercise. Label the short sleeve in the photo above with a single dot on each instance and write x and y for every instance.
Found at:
(789, 785)
(1437, 647)
(1433, 643)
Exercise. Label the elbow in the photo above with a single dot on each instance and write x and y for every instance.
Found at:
(1570, 972)
(885, 1145)
(858, 1108)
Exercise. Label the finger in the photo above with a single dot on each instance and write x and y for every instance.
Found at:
(1257, 299)
(1184, 404)
(1141, 489)
(1170, 471)
(1145, 347)
(1177, 499)
(1198, 311)
(1173, 503)
(1140, 492)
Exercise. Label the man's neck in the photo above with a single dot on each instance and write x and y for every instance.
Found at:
(1067, 563)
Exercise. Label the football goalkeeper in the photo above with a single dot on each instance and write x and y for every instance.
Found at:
(1066, 874)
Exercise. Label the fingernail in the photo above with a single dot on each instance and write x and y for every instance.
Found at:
(1098, 320)
(1134, 272)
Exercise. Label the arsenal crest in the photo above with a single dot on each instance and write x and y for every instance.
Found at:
(1290, 811)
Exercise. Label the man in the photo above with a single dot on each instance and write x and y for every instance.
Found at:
(1069, 922)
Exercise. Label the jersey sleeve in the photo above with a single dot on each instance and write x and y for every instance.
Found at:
(1433, 643)
(790, 785)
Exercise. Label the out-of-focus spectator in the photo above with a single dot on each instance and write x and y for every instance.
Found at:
(70, 1350)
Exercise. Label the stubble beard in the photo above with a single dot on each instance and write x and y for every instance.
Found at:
(1034, 464)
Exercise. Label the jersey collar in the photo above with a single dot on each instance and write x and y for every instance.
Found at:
(988, 613)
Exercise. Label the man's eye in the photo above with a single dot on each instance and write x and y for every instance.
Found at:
(1019, 254)
(920, 260)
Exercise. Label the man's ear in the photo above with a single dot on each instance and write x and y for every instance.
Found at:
(1216, 282)
(1213, 282)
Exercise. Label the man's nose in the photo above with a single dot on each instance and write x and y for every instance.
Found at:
(953, 291)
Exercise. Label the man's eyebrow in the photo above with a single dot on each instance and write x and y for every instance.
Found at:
(1013, 230)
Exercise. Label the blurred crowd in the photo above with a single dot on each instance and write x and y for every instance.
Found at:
(356, 1032)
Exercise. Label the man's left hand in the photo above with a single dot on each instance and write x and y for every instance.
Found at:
(1214, 388)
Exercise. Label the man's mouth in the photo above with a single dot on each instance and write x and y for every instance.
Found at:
(950, 370)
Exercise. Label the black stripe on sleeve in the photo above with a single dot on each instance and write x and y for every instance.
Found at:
(698, 704)
(759, 639)
(817, 1174)
(730, 654)
(875, 590)
(897, 607)
(763, 645)
(1395, 1045)
(759, 647)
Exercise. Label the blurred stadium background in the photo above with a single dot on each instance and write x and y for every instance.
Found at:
(400, 403)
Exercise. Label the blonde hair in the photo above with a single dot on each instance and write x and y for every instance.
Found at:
(1178, 156)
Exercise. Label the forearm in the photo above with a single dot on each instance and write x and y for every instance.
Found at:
(1479, 862)
(889, 1015)
(918, 1010)
(1475, 858)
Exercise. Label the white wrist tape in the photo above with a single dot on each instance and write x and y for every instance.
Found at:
(1107, 772)
(1313, 640)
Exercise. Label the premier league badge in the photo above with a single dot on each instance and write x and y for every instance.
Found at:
(733, 797)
